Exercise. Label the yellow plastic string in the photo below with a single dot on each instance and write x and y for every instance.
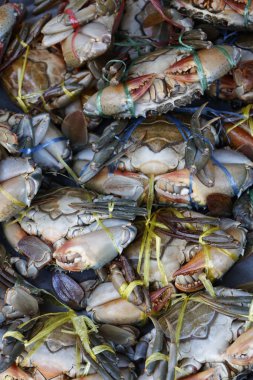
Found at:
(180, 215)
(111, 208)
(180, 320)
(67, 168)
(12, 199)
(207, 284)
(82, 327)
(147, 235)
(160, 265)
(126, 289)
(246, 117)
(66, 91)
(78, 358)
(231, 255)
(149, 212)
(21, 76)
(101, 348)
(107, 231)
(248, 325)
(207, 231)
(156, 356)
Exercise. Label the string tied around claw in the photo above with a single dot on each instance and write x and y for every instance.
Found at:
(76, 27)
(82, 328)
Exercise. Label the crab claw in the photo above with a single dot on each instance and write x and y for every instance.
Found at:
(81, 253)
(183, 188)
(241, 351)
(124, 184)
(15, 373)
(118, 99)
(187, 277)
(213, 62)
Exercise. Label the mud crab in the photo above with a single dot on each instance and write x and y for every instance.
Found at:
(205, 350)
(152, 146)
(19, 183)
(184, 257)
(85, 32)
(35, 137)
(162, 80)
(231, 14)
(63, 225)
(43, 69)
(231, 175)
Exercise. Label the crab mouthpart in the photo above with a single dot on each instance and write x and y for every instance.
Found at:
(175, 186)
(160, 297)
(187, 277)
(241, 351)
(138, 86)
(184, 70)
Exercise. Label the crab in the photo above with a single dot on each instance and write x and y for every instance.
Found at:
(85, 32)
(184, 257)
(162, 80)
(235, 15)
(63, 225)
(35, 137)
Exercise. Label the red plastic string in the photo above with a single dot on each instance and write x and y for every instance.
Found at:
(76, 26)
(72, 18)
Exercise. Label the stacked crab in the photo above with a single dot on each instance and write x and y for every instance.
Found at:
(129, 143)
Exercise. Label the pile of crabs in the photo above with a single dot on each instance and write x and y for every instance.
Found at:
(126, 189)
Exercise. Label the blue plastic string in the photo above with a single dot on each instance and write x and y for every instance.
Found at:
(228, 175)
(28, 151)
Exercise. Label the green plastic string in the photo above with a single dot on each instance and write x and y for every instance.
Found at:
(227, 56)
(114, 61)
(201, 73)
(130, 103)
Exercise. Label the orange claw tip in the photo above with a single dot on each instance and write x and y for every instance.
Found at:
(241, 351)
(138, 86)
(160, 297)
(203, 375)
(184, 69)
(196, 264)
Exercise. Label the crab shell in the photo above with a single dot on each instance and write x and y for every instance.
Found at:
(43, 69)
(226, 13)
(19, 183)
(161, 81)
